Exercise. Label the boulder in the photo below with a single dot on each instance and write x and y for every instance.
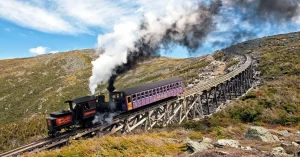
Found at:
(279, 151)
(227, 142)
(284, 133)
(195, 146)
(260, 133)
(190, 86)
(207, 140)
(295, 144)
(247, 148)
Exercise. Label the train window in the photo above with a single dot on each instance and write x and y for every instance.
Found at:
(168, 87)
(146, 94)
(138, 96)
(150, 92)
(134, 97)
(85, 106)
(129, 99)
(142, 95)
(92, 104)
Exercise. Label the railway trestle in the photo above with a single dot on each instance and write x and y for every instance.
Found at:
(201, 101)
(198, 102)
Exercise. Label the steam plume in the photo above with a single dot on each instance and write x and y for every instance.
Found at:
(192, 24)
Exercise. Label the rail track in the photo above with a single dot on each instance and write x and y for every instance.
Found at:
(200, 101)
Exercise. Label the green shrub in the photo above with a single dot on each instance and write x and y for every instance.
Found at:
(250, 95)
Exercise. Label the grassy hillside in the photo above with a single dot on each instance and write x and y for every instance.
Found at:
(276, 104)
(31, 88)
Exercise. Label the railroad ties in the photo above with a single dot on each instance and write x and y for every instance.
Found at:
(196, 103)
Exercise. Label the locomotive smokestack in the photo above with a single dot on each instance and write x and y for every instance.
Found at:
(111, 87)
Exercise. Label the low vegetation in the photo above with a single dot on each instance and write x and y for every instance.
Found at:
(160, 143)
(31, 88)
(276, 102)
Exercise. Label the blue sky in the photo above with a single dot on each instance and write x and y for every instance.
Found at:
(16, 41)
(32, 27)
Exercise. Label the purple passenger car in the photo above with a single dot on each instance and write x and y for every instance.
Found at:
(149, 93)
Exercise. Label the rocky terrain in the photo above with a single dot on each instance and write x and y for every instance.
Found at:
(264, 122)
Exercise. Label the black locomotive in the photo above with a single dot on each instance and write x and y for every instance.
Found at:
(83, 110)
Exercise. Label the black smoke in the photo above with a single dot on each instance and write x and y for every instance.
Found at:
(191, 37)
(255, 12)
(268, 10)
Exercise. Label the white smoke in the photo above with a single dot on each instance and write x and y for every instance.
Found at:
(121, 41)
(116, 46)
(103, 118)
(205, 25)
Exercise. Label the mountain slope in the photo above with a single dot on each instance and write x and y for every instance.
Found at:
(31, 88)
(274, 105)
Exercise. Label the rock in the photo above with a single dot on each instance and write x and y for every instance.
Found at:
(285, 144)
(190, 86)
(279, 151)
(297, 153)
(297, 133)
(195, 146)
(284, 133)
(297, 141)
(281, 139)
(207, 140)
(246, 148)
(295, 144)
(260, 133)
(227, 142)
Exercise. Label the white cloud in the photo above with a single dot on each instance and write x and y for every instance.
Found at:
(36, 18)
(75, 16)
(102, 13)
(39, 50)
(53, 51)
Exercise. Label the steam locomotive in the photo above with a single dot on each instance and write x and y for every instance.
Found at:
(83, 110)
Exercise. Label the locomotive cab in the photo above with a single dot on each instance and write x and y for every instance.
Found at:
(118, 99)
(83, 109)
(81, 113)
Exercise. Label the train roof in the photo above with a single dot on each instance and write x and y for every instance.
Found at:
(82, 99)
(149, 86)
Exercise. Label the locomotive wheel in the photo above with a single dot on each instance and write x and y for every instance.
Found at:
(56, 134)
(88, 124)
(50, 134)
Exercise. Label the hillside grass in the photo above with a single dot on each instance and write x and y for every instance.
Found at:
(31, 88)
(275, 103)
(159, 143)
